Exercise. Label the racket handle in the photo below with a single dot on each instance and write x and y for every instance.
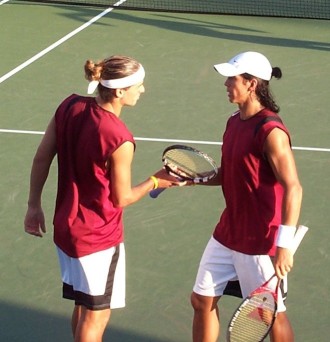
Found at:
(155, 193)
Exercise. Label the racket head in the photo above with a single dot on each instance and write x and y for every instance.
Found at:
(254, 317)
(188, 163)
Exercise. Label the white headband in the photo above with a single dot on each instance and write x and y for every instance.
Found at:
(118, 83)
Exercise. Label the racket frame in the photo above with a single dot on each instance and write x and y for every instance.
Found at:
(181, 175)
(263, 288)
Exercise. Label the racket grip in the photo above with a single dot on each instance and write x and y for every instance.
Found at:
(155, 193)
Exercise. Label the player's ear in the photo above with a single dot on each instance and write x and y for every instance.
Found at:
(253, 84)
(120, 93)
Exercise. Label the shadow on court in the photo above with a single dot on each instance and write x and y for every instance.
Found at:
(21, 324)
(190, 24)
(222, 31)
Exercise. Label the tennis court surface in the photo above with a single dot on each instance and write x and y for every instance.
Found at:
(44, 48)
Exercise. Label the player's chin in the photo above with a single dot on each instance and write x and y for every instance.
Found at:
(230, 99)
(132, 103)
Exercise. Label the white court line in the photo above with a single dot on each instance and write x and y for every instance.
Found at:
(71, 34)
(62, 40)
(181, 141)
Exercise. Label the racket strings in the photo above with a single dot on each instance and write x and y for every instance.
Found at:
(255, 318)
(190, 163)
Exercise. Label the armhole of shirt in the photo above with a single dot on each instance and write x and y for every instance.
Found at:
(265, 120)
(70, 102)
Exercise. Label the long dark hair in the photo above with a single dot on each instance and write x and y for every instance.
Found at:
(263, 91)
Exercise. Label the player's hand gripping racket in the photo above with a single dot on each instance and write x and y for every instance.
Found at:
(187, 164)
(255, 316)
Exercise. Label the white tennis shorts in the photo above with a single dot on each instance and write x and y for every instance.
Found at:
(220, 265)
(96, 281)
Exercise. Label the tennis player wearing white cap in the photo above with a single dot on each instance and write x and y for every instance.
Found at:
(263, 198)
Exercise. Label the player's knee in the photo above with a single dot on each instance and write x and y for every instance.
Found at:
(98, 318)
(195, 301)
(202, 303)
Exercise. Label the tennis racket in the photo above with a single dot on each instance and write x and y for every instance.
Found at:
(255, 316)
(187, 163)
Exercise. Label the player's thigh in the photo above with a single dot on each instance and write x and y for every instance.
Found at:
(215, 270)
(252, 271)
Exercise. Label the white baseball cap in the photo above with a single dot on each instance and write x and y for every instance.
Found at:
(253, 63)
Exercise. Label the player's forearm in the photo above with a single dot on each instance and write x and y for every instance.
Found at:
(124, 196)
(38, 177)
(137, 192)
(291, 205)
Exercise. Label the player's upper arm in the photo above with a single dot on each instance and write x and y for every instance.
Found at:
(279, 154)
(47, 148)
(120, 173)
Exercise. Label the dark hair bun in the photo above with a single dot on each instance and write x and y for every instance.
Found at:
(277, 72)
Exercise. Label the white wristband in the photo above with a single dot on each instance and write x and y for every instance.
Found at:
(285, 236)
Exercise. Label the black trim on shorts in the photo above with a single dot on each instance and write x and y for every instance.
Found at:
(233, 288)
(100, 302)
